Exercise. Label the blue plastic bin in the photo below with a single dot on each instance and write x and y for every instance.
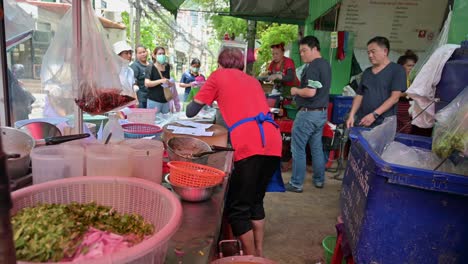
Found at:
(341, 107)
(398, 214)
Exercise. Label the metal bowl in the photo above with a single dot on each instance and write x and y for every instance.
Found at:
(192, 194)
(15, 141)
(182, 149)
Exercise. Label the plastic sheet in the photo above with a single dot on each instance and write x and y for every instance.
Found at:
(401, 154)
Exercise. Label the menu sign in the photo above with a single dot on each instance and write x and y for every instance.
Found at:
(408, 24)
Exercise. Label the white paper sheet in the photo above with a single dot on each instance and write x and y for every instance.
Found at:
(194, 124)
(191, 131)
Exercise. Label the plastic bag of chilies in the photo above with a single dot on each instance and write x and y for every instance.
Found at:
(451, 127)
(98, 88)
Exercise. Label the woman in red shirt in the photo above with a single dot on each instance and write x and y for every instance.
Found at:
(282, 69)
(255, 138)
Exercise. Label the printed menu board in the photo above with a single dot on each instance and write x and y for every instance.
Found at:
(408, 24)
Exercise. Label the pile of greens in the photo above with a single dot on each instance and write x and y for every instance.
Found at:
(51, 232)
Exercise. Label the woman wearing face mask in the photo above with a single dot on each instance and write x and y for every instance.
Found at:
(188, 78)
(157, 75)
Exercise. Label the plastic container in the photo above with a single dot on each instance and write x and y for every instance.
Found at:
(194, 175)
(399, 214)
(108, 160)
(273, 100)
(137, 130)
(142, 116)
(98, 120)
(57, 162)
(341, 107)
(454, 78)
(328, 244)
(153, 202)
(146, 158)
(113, 126)
(291, 110)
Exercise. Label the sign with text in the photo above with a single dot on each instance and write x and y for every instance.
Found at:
(408, 24)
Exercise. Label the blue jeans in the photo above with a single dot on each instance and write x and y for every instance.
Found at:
(162, 107)
(308, 129)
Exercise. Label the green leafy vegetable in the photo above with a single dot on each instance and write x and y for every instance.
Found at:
(51, 232)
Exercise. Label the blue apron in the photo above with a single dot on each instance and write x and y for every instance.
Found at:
(276, 183)
(259, 119)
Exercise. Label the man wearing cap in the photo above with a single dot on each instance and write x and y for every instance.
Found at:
(126, 76)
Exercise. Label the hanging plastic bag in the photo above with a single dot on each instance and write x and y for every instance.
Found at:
(98, 88)
(451, 127)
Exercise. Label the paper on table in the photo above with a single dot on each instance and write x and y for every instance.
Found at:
(194, 124)
(191, 131)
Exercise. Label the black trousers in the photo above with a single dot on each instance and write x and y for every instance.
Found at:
(247, 186)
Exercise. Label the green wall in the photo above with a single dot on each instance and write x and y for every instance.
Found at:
(316, 9)
(340, 69)
(459, 24)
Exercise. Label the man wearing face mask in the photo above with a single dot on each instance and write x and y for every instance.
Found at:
(188, 78)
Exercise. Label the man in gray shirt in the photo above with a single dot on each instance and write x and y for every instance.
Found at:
(380, 87)
(312, 101)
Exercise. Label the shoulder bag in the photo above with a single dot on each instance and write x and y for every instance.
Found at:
(167, 90)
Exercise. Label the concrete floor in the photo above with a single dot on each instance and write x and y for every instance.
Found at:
(296, 223)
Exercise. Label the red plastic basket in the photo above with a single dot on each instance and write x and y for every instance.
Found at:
(188, 174)
(138, 130)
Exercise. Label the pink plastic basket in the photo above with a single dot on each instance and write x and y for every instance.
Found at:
(136, 130)
(155, 203)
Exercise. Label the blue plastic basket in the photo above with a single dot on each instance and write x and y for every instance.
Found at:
(400, 214)
(137, 130)
(341, 107)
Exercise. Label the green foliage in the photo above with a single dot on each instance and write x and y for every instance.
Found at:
(223, 24)
(153, 32)
(126, 21)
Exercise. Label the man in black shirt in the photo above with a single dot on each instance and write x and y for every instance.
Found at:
(312, 101)
(380, 88)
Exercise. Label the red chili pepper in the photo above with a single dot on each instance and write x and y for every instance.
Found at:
(105, 100)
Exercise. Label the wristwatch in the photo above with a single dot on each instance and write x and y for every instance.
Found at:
(375, 115)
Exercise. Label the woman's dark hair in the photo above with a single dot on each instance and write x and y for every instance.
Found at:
(310, 41)
(278, 46)
(381, 42)
(139, 46)
(231, 58)
(409, 55)
(195, 61)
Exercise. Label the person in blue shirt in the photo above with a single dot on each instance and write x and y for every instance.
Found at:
(188, 78)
